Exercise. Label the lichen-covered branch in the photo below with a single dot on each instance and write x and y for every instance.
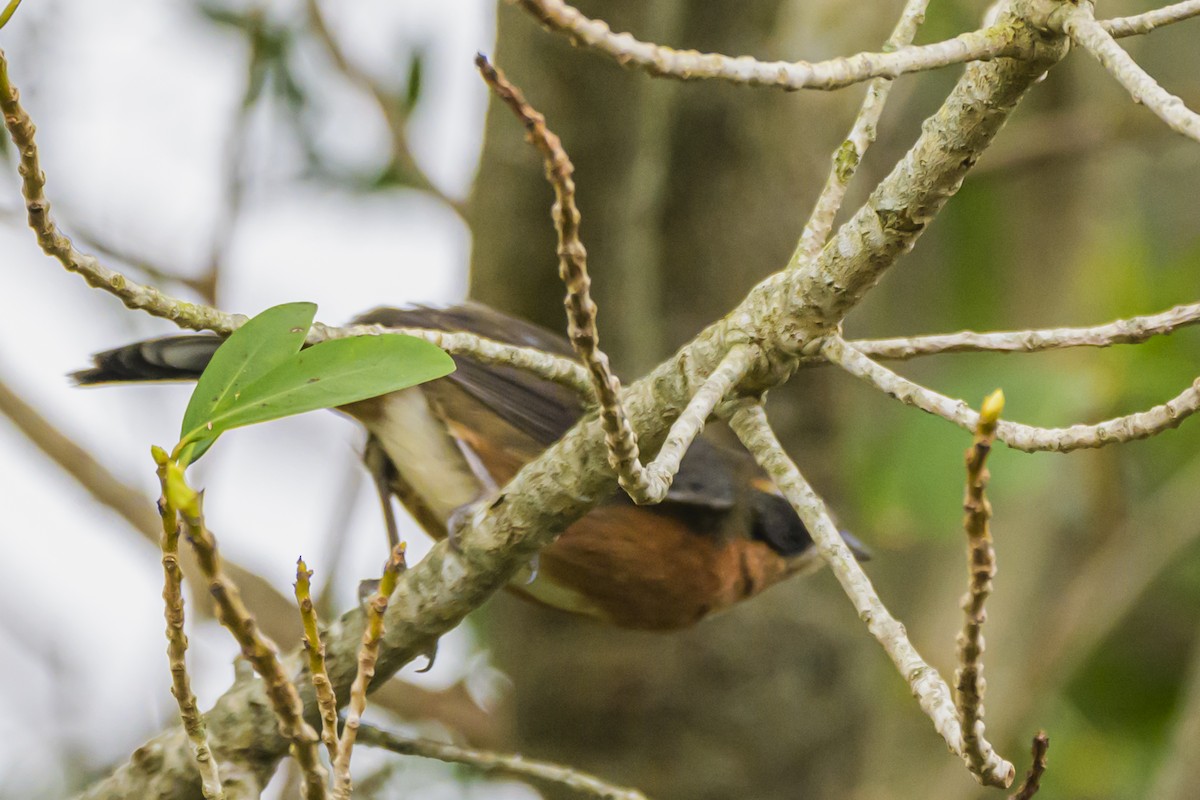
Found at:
(1079, 22)
(862, 134)
(783, 316)
(835, 73)
(1029, 438)
(1150, 20)
(504, 763)
(181, 688)
(749, 422)
(1134, 330)
(981, 562)
(368, 654)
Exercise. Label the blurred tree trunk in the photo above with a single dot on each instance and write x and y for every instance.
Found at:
(690, 194)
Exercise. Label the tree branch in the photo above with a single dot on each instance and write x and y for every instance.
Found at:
(1134, 330)
(836, 73)
(749, 422)
(1017, 436)
(862, 135)
(1150, 20)
(487, 761)
(783, 315)
(1079, 22)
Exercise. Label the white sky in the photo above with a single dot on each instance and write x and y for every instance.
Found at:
(134, 101)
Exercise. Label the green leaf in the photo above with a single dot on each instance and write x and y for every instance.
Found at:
(326, 375)
(253, 350)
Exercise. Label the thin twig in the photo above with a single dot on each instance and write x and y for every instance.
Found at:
(488, 761)
(981, 45)
(257, 650)
(1148, 21)
(572, 263)
(750, 423)
(1140, 425)
(547, 366)
(1033, 779)
(392, 109)
(172, 594)
(201, 317)
(981, 562)
(326, 702)
(368, 653)
(850, 153)
(134, 507)
(1134, 330)
(643, 484)
(1079, 22)
(56, 245)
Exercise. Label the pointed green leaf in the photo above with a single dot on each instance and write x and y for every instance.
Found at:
(250, 352)
(330, 374)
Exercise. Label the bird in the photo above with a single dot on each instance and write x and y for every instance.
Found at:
(723, 534)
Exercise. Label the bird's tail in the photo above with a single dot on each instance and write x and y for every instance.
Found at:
(174, 358)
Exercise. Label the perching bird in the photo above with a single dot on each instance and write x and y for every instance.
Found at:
(722, 535)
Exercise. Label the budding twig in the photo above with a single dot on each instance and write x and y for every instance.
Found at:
(981, 561)
(749, 422)
(315, 648)
(368, 653)
(189, 712)
(256, 649)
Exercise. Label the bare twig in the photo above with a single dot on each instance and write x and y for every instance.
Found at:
(643, 484)
(1148, 21)
(1079, 22)
(981, 561)
(258, 651)
(982, 45)
(56, 245)
(1033, 779)
(749, 422)
(569, 478)
(134, 507)
(548, 366)
(1029, 438)
(862, 134)
(587, 785)
(1134, 330)
(189, 712)
(326, 702)
(367, 655)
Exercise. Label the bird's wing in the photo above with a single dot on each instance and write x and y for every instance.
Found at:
(540, 410)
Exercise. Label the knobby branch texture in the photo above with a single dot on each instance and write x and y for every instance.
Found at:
(784, 318)
(781, 316)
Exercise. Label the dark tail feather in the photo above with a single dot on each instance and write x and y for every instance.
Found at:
(175, 358)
